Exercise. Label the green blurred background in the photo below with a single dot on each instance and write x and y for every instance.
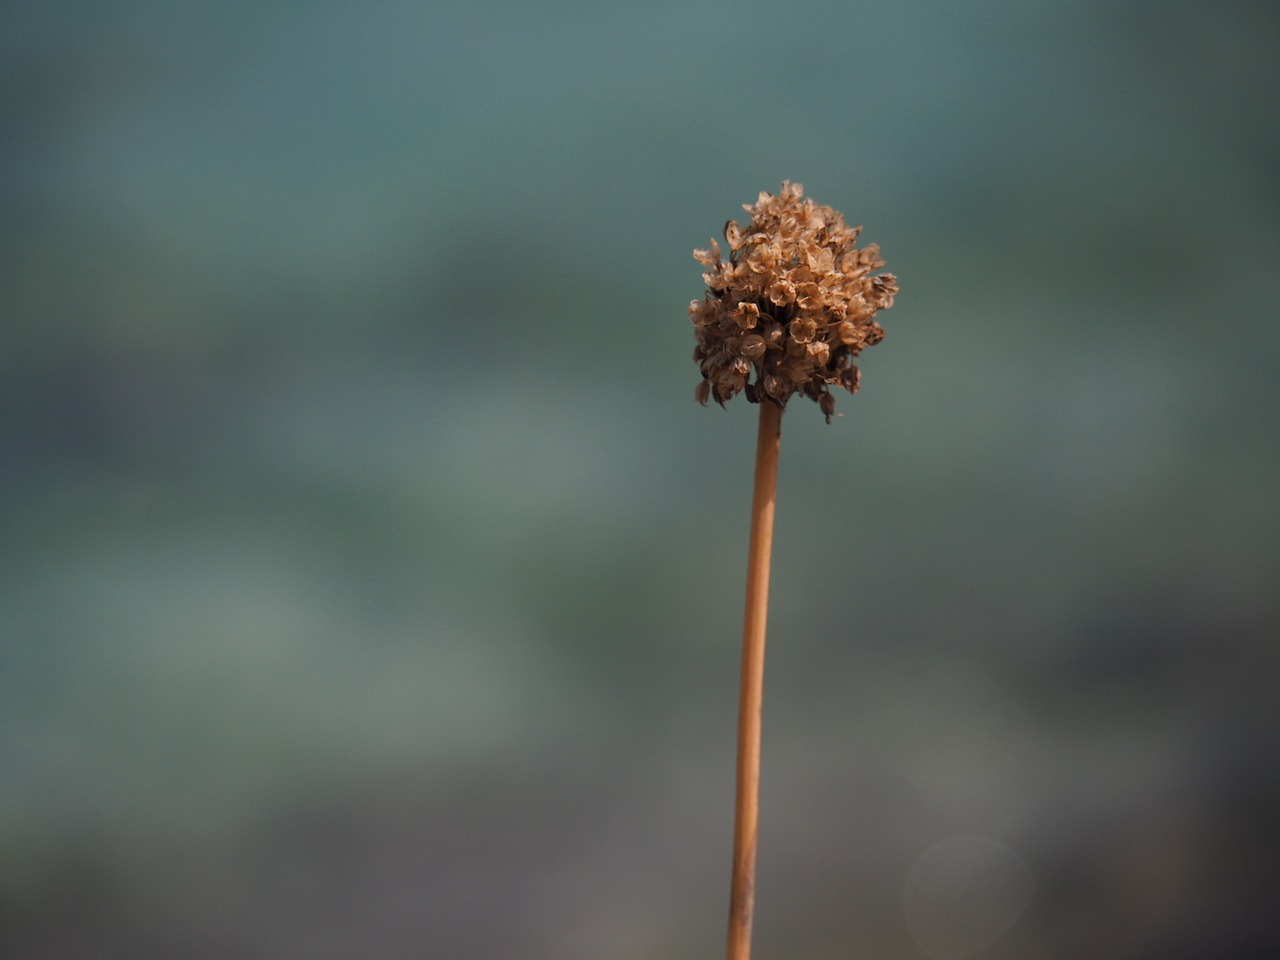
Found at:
(370, 583)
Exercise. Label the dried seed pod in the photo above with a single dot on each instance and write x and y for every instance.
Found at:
(792, 306)
(752, 346)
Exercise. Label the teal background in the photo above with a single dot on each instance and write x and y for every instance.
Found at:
(370, 583)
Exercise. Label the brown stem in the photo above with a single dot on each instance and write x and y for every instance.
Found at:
(746, 806)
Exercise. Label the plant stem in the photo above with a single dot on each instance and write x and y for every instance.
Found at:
(746, 806)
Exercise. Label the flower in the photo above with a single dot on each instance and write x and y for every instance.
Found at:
(793, 305)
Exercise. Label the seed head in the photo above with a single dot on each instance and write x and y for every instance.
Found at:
(793, 305)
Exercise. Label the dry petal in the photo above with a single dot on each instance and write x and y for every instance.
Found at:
(747, 315)
(803, 329)
(708, 258)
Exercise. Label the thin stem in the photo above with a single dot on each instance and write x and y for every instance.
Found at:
(746, 806)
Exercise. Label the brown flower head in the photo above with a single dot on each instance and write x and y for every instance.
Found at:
(791, 307)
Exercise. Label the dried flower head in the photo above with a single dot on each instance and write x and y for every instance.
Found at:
(794, 304)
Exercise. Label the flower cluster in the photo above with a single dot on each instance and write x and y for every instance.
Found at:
(794, 304)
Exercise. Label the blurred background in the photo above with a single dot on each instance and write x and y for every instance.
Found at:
(371, 585)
